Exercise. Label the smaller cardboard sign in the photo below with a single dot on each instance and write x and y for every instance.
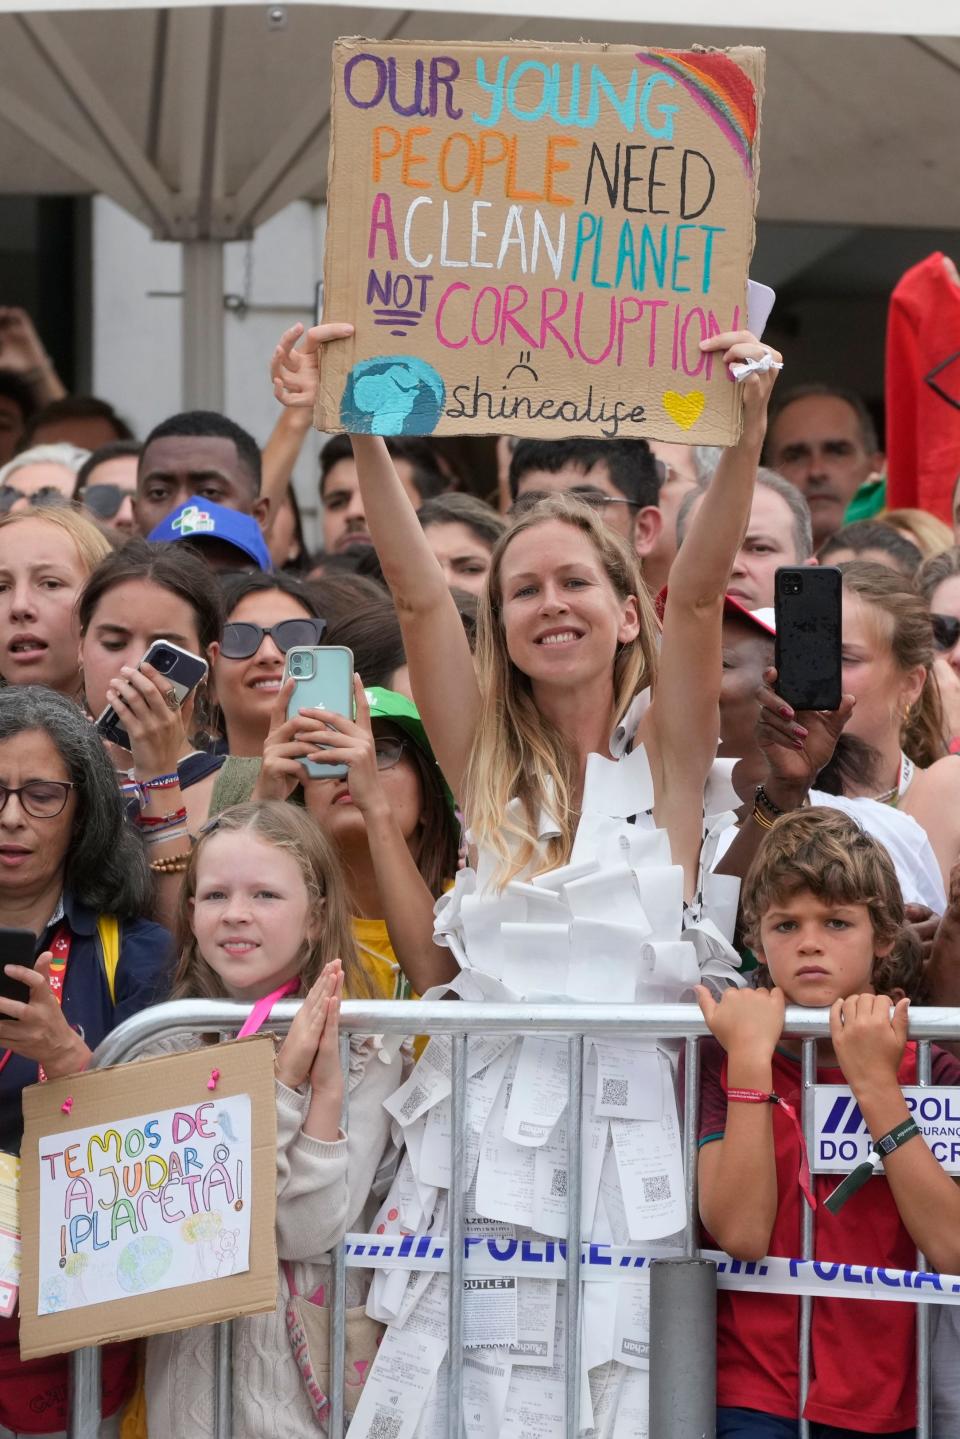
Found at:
(121, 1201)
(842, 1139)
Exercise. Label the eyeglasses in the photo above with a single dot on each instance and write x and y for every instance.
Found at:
(389, 750)
(105, 500)
(48, 495)
(243, 639)
(946, 631)
(596, 498)
(41, 798)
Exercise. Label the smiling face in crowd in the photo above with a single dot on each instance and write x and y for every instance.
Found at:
(252, 916)
(247, 689)
(562, 618)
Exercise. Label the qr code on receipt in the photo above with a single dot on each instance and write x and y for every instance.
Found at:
(615, 1091)
(414, 1101)
(656, 1188)
(385, 1425)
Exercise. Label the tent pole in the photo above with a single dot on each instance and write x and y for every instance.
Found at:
(202, 325)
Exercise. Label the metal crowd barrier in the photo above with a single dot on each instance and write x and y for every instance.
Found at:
(580, 1022)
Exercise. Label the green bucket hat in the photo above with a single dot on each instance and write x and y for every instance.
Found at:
(388, 705)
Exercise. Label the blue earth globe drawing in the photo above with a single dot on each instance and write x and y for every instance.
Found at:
(392, 395)
(143, 1263)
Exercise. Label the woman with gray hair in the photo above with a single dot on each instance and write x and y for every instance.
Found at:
(39, 473)
(73, 874)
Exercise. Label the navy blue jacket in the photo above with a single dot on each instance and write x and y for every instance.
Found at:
(142, 978)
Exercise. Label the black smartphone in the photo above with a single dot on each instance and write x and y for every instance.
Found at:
(808, 604)
(17, 946)
(183, 670)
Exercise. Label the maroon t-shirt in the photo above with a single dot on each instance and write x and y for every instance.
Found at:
(862, 1354)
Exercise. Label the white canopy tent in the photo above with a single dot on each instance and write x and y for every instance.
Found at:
(204, 121)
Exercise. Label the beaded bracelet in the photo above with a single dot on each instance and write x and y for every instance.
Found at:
(762, 798)
(170, 864)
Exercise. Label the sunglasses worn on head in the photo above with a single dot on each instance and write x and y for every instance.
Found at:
(105, 500)
(946, 631)
(242, 639)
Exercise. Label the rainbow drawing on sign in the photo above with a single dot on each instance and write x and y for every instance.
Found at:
(721, 88)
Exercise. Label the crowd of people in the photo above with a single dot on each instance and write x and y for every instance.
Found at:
(567, 773)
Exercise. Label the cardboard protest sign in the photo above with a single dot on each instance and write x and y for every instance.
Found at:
(533, 239)
(121, 1200)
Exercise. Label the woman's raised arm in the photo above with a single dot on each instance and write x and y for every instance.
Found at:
(441, 666)
(683, 723)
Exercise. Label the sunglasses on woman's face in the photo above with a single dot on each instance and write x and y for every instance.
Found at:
(242, 639)
(946, 631)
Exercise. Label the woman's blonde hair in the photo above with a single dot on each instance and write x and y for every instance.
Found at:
(517, 753)
(288, 828)
(910, 636)
(825, 852)
(90, 542)
(930, 535)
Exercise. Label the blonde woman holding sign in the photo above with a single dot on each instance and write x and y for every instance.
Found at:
(579, 749)
(567, 641)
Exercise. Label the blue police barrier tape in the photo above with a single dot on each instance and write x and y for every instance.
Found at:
(546, 1259)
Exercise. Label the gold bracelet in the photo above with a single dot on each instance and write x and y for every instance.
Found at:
(171, 864)
(763, 820)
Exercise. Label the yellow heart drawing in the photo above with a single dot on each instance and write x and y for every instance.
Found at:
(684, 410)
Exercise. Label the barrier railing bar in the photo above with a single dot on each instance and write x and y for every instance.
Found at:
(223, 1372)
(455, 1227)
(393, 1016)
(691, 1126)
(571, 1328)
(924, 1418)
(808, 1080)
(83, 1419)
(338, 1281)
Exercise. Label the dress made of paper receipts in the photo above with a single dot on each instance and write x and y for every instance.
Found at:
(611, 926)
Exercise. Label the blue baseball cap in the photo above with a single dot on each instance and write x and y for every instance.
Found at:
(198, 519)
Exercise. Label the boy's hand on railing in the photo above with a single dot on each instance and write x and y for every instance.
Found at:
(868, 1041)
(295, 370)
(747, 1022)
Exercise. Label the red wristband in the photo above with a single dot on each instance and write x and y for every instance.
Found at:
(757, 1096)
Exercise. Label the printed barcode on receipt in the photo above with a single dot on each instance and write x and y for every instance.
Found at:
(615, 1091)
(656, 1188)
(385, 1425)
(558, 1184)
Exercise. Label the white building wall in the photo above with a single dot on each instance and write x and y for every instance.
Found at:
(136, 322)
